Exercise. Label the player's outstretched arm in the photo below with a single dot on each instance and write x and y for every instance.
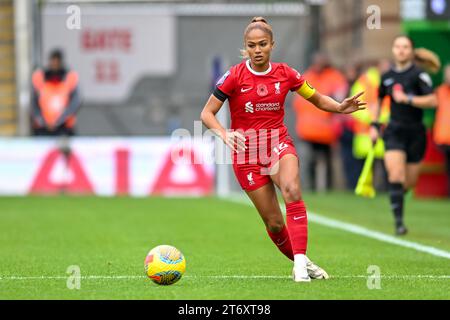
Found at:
(328, 104)
(234, 139)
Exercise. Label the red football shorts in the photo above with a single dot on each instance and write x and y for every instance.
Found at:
(252, 175)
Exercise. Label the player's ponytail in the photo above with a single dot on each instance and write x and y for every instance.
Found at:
(427, 60)
(256, 23)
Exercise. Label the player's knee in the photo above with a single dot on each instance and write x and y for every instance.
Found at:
(396, 175)
(291, 191)
(275, 226)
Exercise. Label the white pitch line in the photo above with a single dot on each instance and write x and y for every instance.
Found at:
(353, 228)
(66, 277)
(421, 276)
(262, 277)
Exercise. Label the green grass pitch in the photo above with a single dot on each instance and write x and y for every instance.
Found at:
(228, 254)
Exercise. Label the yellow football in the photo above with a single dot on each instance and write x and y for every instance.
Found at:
(165, 265)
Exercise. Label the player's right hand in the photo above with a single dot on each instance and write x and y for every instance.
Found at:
(235, 140)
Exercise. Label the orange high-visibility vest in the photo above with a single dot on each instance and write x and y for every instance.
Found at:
(441, 130)
(313, 124)
(54, 97)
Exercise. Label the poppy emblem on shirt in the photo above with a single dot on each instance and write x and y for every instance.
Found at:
(262, 90)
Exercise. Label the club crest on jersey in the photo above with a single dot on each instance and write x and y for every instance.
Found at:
(277, 88)
(251, 182)
(388, 82)
(262, 90)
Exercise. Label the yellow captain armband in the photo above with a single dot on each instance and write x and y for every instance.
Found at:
(306, 90)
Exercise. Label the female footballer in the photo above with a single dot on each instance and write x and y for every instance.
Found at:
(262, 151)
(410, 90)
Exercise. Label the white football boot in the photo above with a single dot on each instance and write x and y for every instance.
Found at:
(300, 275)
(314, 271)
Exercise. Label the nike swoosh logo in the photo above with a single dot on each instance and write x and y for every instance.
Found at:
(298, 218)
(245, 90)
(282, 242)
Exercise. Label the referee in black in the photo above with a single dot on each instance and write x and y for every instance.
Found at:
(410, 90)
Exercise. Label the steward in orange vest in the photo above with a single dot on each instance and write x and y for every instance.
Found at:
(55, 99)
(441, 130)
(320, 129)
(314, 125)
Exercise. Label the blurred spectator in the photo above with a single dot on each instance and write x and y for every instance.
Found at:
(442, 123)
(55, 99)
(319, 130)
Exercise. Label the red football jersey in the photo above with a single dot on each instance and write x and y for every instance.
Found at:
(256, 99)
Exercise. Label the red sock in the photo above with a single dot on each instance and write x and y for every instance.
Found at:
(282, 241)
(297, 222)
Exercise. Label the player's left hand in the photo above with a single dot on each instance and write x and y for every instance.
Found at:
(351, 104)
